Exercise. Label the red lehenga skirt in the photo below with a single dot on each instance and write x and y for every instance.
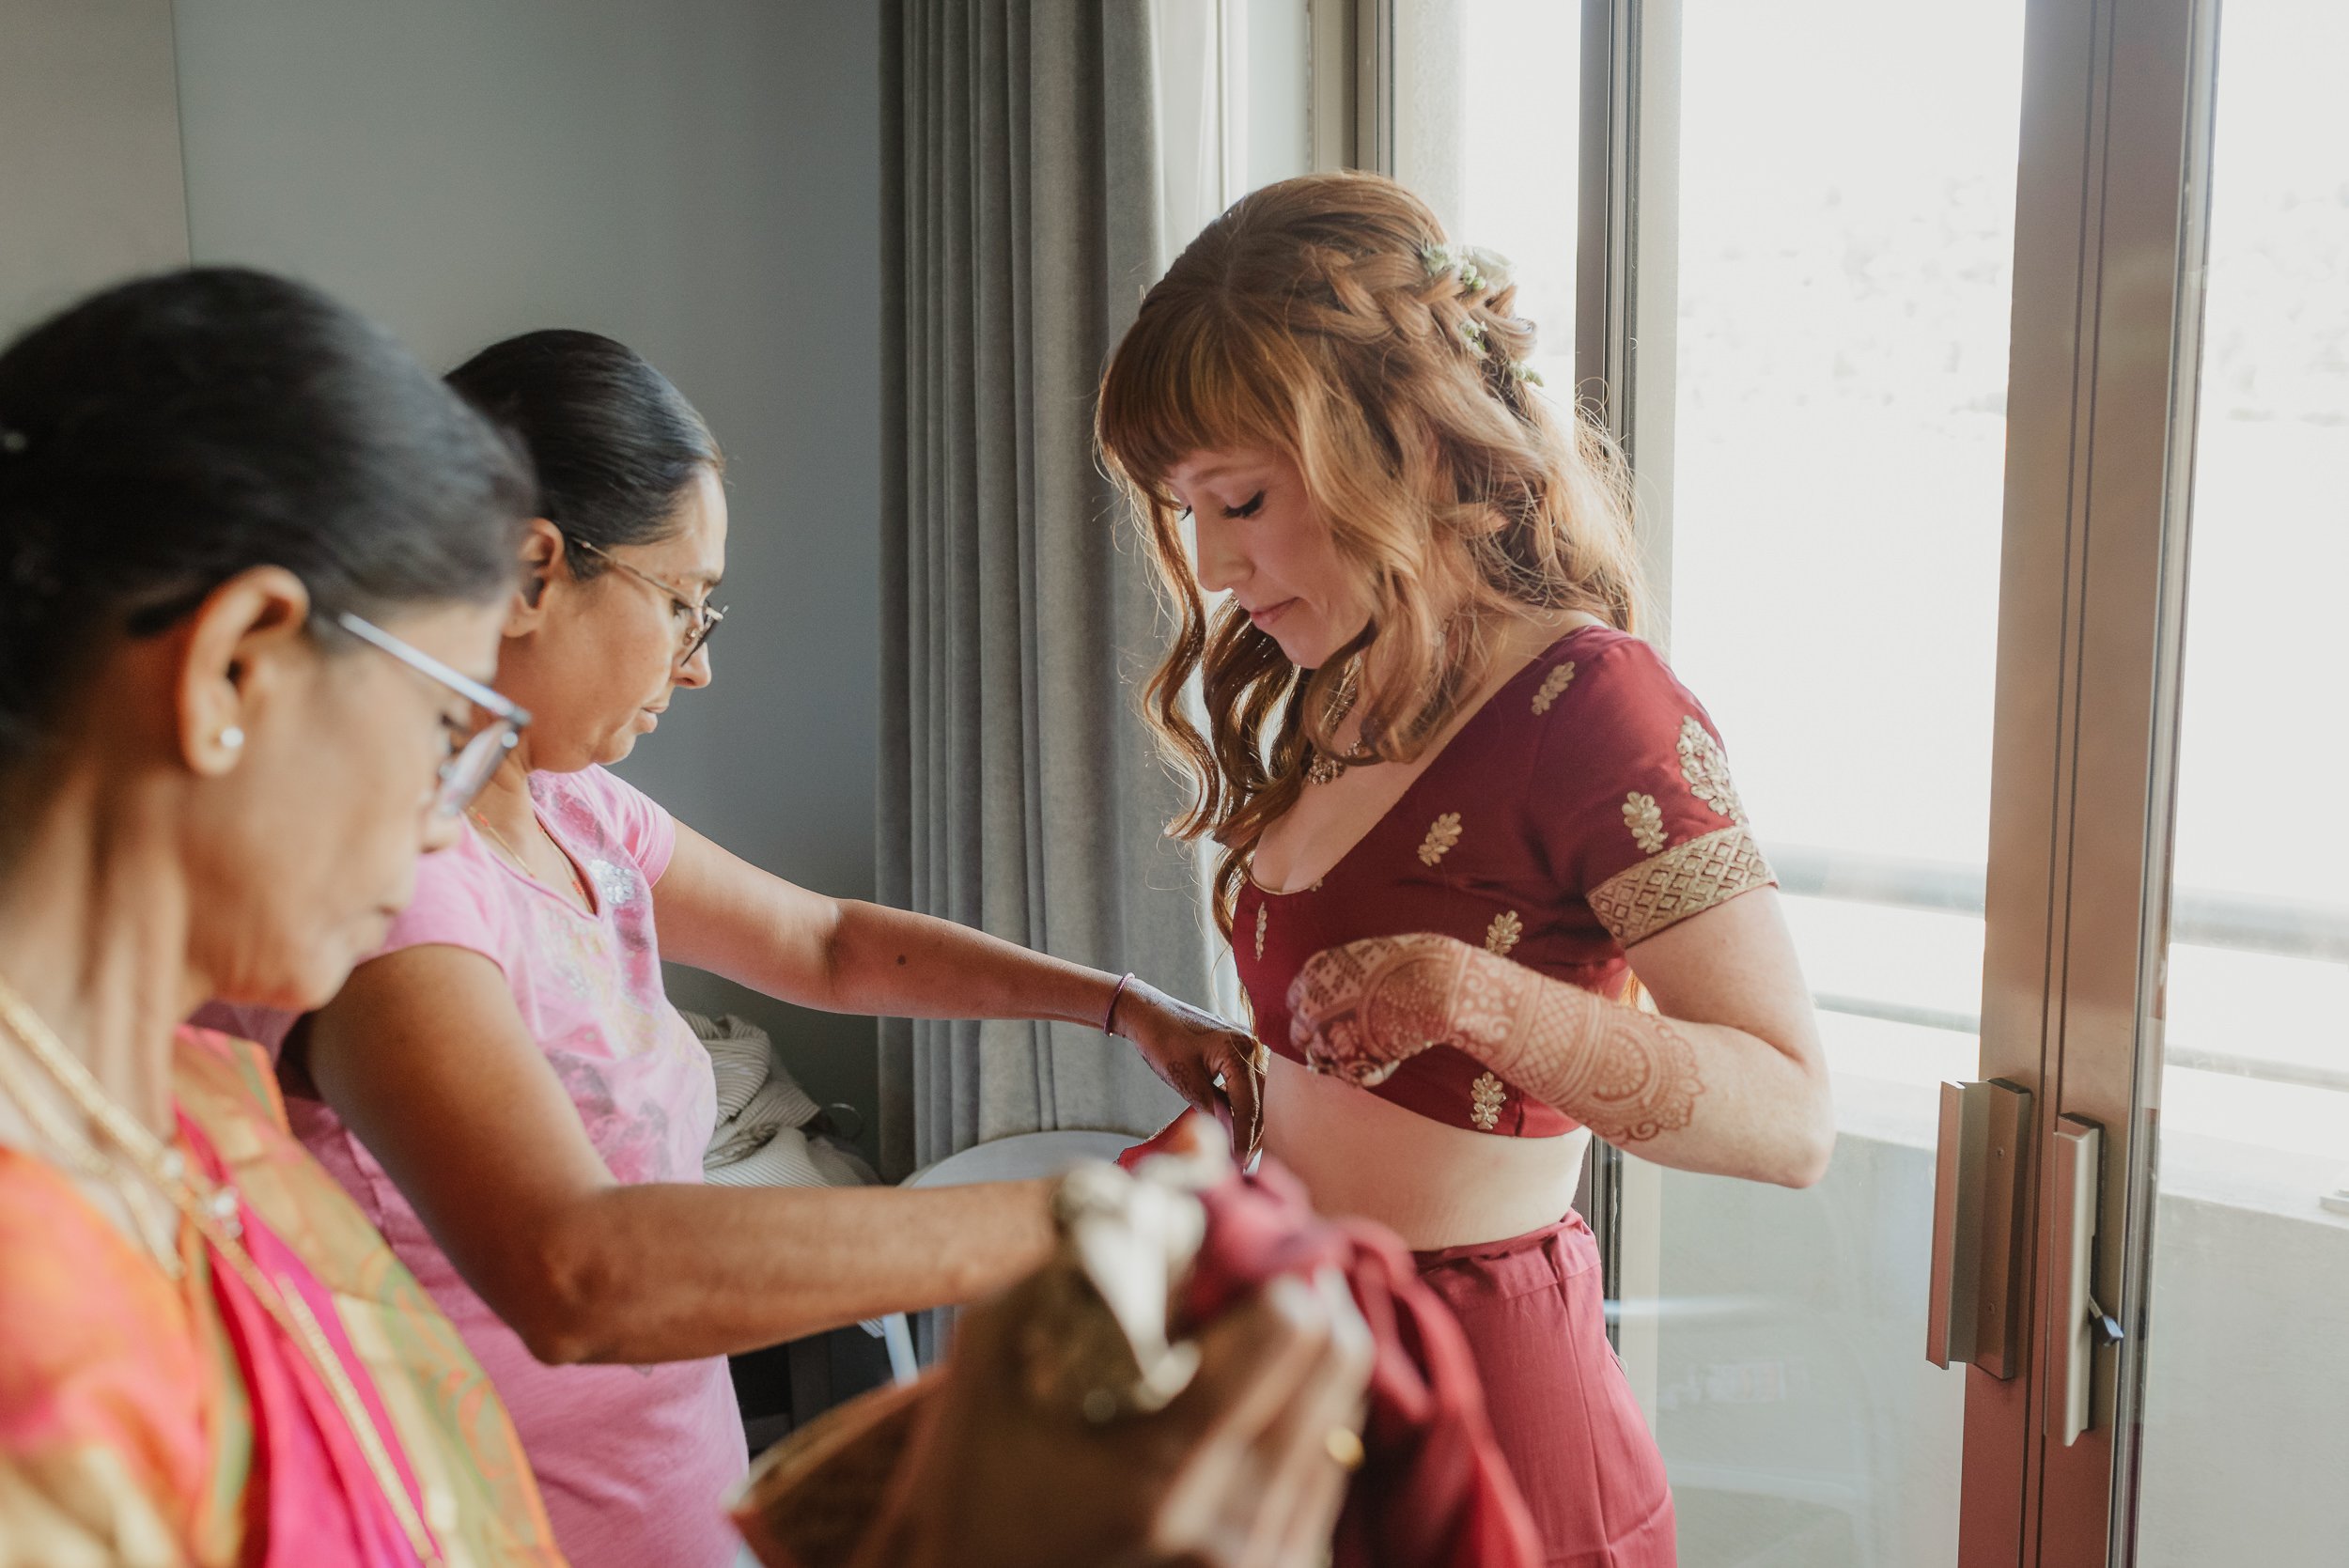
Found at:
(1560, 1405)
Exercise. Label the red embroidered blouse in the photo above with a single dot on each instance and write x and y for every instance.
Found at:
(1585, 807)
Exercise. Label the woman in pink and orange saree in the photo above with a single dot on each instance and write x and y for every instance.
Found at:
(249, 550)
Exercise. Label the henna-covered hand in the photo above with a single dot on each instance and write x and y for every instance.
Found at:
(1363, 1010)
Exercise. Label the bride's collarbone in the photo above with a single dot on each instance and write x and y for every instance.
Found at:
(1328, 821)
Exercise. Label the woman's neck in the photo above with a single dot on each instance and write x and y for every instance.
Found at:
(94, 923)
(1512, 645)
(504, 802)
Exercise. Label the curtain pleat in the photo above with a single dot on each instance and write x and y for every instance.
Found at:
(1020, 792)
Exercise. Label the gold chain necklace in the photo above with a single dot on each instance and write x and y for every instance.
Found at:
(158, 1233)
(213, 1209)
(524, 866)
(1323, 768)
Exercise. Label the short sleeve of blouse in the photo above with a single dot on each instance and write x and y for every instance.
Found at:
(642, 826)
(459, 902)
(1632, 798)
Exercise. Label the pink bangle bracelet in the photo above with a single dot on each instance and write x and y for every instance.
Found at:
(1108, 1020)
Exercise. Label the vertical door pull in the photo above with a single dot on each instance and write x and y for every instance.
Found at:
(1970, 1315)
(2083, 1328)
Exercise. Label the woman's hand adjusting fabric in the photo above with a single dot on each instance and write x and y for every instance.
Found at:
(1191, 1049)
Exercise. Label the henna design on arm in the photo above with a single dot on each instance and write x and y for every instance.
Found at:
(1625, 1074)
(1364, 1009)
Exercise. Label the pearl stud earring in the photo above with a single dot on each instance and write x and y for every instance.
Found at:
(232, 738)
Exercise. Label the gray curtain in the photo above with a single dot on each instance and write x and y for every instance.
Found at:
(1018, 791)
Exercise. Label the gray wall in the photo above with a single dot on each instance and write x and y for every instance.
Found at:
(89, 150)
(697, 178)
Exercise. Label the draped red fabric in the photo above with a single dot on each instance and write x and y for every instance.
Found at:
(1433, 1491)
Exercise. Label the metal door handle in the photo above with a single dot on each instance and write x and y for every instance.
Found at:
(2074, 1167)
(1971, 1313)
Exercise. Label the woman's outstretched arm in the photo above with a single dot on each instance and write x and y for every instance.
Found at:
(425, 1057)
(1728, 1078)
(718, 912)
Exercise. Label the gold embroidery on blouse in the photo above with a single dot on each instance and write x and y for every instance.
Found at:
(1485, 1097)
(1441, 835)
(1554, 687)
(1503, 934)
(1705, 766)
(1264, 912)
(1687, 880)
(1645, 820)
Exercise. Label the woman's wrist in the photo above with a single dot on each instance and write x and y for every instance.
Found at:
(1109, 1015)
(1541, 1028)
(1496, 1007)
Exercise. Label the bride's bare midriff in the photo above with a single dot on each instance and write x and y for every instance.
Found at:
(1434, 1185)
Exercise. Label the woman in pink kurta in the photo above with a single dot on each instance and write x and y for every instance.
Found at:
(506, 1088)
(629, 1459)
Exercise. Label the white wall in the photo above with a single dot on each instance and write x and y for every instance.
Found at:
(699, 178)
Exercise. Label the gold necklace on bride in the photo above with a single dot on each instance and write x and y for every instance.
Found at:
(1322, 767)
(210, 1207)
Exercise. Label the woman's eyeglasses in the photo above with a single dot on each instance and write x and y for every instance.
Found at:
(475, 750)
(701, 620)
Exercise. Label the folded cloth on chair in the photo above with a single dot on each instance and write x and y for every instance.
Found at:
(1433, 1491)
(760, 1139)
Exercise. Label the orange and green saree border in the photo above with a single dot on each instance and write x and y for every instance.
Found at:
(479, 1497)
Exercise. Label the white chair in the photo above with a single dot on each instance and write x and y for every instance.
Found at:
(1023, 1156)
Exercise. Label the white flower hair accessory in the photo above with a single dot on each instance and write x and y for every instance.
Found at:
(1481, 272)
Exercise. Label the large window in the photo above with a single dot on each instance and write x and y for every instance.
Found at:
(2018, 836)
(2246, 1437)
(1838, 453)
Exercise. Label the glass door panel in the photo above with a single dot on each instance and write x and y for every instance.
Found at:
(1844, 242)
(2244, 1437)
(1493, 153)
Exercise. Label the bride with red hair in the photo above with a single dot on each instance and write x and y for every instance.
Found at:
(1488, 884)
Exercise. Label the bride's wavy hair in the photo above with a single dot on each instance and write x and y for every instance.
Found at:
(1326, 318)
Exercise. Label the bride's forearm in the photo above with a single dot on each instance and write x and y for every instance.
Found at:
(1696, 1097)
(1700, 1096)
(1630, 1075)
